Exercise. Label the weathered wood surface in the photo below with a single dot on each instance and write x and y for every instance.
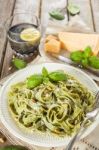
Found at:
(6, 10)
(29, 6)
(95, 14)
(89, 12)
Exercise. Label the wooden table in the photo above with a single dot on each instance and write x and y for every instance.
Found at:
(89, 13)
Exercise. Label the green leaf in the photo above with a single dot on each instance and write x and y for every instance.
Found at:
(44, 72)
(19, 63)
(34, 81)
(73, 9)
(45, 80)
(76, 56)
(85, 62)
(57, 15)
(11, 147)
(57, 76)
(87, 52)
(94, 62)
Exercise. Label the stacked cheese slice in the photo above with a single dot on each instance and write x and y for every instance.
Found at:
(72, 42)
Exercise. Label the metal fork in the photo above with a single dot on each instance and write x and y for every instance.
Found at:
(91, 115)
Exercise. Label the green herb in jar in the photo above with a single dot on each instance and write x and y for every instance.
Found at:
(73, 9)
(56, 14)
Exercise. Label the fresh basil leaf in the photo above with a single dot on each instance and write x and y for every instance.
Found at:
(34, 81)
(87, 52)
(45, 80)
(44, 72)
(12, 147)
(57, 76)
(85, 62)
(94, 62)
(73, 9)
(57, 15)
(19, 63)
(76, 56)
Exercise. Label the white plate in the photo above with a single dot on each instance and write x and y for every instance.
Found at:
(35, 138)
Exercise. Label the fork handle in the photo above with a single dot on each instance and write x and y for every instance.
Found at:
(70, 145)
(77, 135)
(75, 138)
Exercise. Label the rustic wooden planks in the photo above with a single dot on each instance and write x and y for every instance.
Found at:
(95, 13)
(6, 9)
(85, 11)
(31, 6)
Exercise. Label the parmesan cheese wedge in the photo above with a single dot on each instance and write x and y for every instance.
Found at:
(53, 46)
(79, 41)
(50, 37)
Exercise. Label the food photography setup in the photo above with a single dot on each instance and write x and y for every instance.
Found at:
(49, 75)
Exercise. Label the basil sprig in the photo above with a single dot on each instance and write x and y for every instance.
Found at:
(85, 58)
(19, 63)
(37, 79)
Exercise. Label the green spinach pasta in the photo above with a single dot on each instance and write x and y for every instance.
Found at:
(54, 102)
